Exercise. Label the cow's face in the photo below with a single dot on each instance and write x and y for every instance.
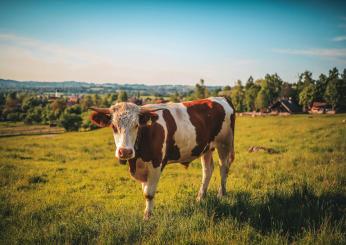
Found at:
(126, 119)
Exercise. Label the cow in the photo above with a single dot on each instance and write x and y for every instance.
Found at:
(151, 136)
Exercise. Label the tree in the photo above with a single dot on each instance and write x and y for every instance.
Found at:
(12, 103)
(343, 75)
(34, 115)
(86, 102)
(263, 97)
(75, 109)
(175, 97)
(226, 88)
(321, 85)
(307, 96)
(288, 91)
(274, 83)
(238, 96)
(201, 91)
(58, 106)
(335, 93)
(251, 91)
(304, 80)
(333, 74)
(122, 96)
(70, 121)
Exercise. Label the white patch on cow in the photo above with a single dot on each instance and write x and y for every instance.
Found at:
(185, 135)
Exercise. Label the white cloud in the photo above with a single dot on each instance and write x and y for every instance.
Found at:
(329, 53)
(339, 39)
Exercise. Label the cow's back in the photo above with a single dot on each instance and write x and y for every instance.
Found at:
(192, 127)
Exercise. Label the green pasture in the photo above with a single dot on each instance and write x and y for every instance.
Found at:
(69, 189)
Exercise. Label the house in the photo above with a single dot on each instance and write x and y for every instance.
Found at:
(320, 107)
(285, 106)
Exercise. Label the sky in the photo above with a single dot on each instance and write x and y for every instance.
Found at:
(170, 42)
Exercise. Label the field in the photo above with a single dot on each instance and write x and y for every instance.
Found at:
(68, 188)
(15, 129)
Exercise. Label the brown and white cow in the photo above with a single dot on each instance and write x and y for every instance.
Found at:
(151, 136)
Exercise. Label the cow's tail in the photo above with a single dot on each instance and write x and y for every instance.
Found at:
(229, 101)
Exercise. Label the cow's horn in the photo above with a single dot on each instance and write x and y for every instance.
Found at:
(149, 109)
(101, 110)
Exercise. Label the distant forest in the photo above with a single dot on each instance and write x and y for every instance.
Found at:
(38, 103)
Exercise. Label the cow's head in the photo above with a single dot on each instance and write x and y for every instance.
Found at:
(126, 119)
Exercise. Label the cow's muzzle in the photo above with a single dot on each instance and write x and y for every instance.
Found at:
(125, 153)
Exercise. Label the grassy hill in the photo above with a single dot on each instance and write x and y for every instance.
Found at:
(68, 188)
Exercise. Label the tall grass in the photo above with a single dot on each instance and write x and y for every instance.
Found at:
(68, 188)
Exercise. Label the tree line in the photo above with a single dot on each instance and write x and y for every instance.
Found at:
(255, 95)
(39, 109)
(258, 95)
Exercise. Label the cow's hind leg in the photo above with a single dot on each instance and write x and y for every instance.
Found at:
(207, 168)
(149, 189)
(226, 157)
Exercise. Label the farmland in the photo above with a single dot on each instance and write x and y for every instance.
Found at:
(69, 188)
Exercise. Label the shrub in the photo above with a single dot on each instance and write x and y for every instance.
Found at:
(70, 121)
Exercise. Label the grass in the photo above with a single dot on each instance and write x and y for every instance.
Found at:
(68, 188)
(19, 128)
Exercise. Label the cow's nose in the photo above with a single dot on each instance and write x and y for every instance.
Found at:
(125, 153)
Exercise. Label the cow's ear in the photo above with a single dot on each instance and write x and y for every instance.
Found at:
(147, 118)
(100, 119)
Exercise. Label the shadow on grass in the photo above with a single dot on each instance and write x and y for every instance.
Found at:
(286, 213)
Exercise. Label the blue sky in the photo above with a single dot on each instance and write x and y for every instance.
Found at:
(169, 42)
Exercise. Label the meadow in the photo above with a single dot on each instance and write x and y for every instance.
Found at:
(69, 189)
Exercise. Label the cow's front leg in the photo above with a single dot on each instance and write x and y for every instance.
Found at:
(149, 189)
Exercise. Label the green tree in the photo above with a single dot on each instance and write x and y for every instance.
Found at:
(122, 96)
(307, 96)
(288, 91)
(86, 102)
(238, 96)
(304, 80)
(335, 93)
(174, 97)
(70, 121)
(201, 90)
(251, 91)
(274, 84)
(34, 115)
(263, 96)
(58, 106)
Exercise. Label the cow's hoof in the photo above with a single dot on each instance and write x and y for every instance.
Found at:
(147, 215)
(221, 193)
(199, 197)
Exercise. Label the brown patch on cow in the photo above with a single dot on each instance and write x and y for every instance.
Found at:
(138, 170)
(232, 115)
(146, 116)
(149, 144)
(100, 119)
(172, 150)
(207, 117)
(148, 197)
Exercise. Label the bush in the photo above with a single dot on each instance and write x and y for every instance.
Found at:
(13, 116)
(70, 121)
(87, 125)
(34, 115)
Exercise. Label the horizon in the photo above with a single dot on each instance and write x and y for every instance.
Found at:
(170, 43)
